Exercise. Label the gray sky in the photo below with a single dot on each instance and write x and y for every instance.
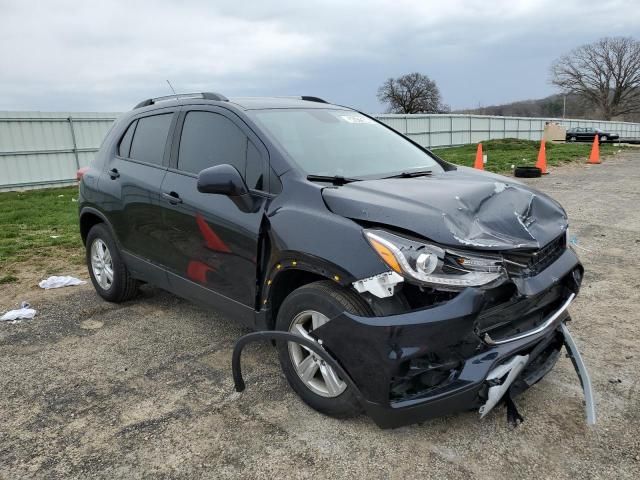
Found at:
(106, 56)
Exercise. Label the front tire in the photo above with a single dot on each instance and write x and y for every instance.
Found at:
(316, 383)
(603, 138)
(572, 139)
(108, 273)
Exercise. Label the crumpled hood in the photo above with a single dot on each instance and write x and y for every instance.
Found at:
(463, 207)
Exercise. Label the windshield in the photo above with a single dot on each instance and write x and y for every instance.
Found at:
(342, 142)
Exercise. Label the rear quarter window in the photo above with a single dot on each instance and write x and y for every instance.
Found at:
(124, 148)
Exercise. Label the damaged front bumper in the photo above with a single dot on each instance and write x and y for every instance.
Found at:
(428, 363)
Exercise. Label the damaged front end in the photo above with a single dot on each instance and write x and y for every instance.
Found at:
(460, 354)
(472, 350)
(485, 298)
(498, 334)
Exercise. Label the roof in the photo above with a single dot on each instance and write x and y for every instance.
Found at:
(244, 103)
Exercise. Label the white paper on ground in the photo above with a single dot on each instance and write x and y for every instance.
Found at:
(19, 314)
(60, 281)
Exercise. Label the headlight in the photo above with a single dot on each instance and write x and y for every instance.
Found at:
(435, 266)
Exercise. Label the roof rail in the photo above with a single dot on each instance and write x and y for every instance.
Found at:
(309, 98)
(204, 95)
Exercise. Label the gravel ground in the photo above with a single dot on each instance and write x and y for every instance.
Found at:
(144, 390)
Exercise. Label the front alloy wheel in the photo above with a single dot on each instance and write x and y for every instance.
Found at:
(304, 310)
(318, 377)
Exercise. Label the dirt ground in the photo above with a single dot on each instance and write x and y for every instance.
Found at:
(144, 390)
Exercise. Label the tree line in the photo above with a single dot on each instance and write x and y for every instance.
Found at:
(596, 80)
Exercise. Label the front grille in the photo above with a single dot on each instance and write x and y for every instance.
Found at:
(527, 264)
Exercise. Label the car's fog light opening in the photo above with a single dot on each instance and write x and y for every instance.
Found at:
(420, 297)
(421, 376)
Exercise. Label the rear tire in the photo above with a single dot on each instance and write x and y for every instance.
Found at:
(603, 138)
(572, 139)
(108, 273)
(313, 304)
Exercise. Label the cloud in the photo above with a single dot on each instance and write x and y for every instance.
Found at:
(79, 55)
(130, 46)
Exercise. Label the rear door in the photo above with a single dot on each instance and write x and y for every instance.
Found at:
(132, 183)
(215, 244)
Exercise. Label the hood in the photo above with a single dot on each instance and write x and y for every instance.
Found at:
(459, 208)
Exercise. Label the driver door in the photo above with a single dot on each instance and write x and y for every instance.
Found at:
(215, 244)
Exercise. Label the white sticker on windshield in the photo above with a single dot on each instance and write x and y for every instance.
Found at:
(356, 119)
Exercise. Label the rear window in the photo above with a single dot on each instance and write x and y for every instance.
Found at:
(150, 138)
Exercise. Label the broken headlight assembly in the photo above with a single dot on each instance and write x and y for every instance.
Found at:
(434, 266)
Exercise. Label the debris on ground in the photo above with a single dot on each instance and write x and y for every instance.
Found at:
(56, 281)
(24, 312)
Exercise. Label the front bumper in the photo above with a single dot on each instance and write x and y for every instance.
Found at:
(379, 353)
(375, 355)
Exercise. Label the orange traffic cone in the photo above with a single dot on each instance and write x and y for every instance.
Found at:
(595, 151)
(542, 158)
(479, 164)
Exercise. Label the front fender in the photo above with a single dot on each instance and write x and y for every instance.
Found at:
(300, 227)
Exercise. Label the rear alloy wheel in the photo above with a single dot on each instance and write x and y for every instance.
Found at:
(102, 264)
(304, 310)
(603, 138)
(108, 273)
(572, 139)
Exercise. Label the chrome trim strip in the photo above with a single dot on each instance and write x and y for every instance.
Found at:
(583, 375)
(547, 323)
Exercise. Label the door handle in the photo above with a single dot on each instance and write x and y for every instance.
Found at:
(173, 197)
(113, 173)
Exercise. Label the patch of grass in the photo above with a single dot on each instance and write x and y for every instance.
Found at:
(38, 223)
(502, 154)
(8, 279)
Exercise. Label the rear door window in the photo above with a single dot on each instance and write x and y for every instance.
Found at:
(150, 138)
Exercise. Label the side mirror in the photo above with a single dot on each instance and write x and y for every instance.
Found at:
(223, 180)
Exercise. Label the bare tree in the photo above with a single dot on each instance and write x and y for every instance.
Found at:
(411, 93)
(606, 72)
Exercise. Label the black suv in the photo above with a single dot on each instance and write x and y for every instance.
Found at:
(420, 288)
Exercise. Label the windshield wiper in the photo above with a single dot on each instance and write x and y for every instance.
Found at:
(335, 179)
(412, 174)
